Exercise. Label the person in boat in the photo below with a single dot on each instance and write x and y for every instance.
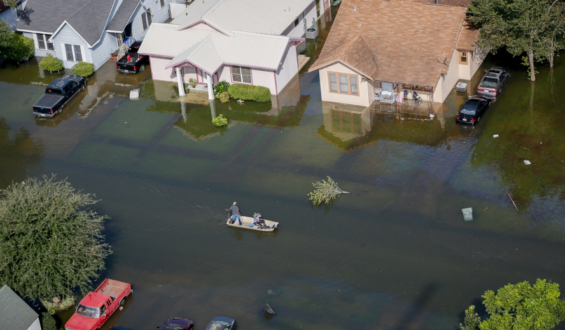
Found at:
(258, 221)
(234, 213)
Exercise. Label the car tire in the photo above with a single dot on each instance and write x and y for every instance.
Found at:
(123, 301)
(142, 68)
(82, 88)
(478, 119)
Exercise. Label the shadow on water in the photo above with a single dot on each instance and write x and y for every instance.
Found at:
(418, 307)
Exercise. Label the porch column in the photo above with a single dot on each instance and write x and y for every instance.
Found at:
(210, 87)
(213, 108)
(180, 82)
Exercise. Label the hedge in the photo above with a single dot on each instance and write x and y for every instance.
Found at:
(249, 93)
(51, 63)
(83, 69)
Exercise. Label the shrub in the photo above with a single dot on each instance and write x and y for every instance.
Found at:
(224, 96)
(5, 35)
(221, 87)
(83, 69)
(56, 304)
(51, 63)
(20, 48)
(250, 93)
(220, 121)
(192, 82)
(48, 322)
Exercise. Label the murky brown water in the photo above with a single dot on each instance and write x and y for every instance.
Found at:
(394, 254)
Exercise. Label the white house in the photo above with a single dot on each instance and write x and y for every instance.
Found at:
(240, 41)
(15, 314)
(88, 30)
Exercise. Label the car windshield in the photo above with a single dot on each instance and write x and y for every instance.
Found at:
(53, 91)
(88, 311)
(469, 108)
(172, 326)
(489, 82)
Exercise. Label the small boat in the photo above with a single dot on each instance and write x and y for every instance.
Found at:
(247, 223)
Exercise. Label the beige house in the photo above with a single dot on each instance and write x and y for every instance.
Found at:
(377, 49)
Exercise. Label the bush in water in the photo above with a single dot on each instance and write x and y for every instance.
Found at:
(20, 48)
(224, 97)
(51, 63)
(249, 93)
(83, 69)
(220, 121)
(221, 87)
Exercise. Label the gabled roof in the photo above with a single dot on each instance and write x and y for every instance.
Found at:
(404, 38)
(209, 49)
(87, 17)
(356, 54)
(15, 314)
(123, 15)
(256, 16)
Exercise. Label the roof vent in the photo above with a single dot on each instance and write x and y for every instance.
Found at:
(355, 8)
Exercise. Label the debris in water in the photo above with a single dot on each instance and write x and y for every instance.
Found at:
(267, 308)
(432, 115)
(527, 162)
(495, 136)
(467, 213)
(134, 94)
(270, 292)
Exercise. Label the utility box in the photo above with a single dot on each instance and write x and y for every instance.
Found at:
(461, 87)
(311, 33)
(134, 94)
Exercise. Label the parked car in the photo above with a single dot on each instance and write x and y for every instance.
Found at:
(472, 110)
(57, 94)
(132, 62)
(97, 307)
(221, 323)
(177, 323)
(491, 84)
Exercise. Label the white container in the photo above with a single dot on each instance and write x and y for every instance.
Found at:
(527, 162)
(467, 214)
(134, 94)
(311, 33)
(461, 87)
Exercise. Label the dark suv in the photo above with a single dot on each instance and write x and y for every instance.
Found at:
(492, 82)
(472, 110)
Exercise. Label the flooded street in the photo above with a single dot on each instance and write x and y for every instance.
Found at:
(393, 254)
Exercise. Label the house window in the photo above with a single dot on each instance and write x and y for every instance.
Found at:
(333, 83)
(296, 22)
(463, 57)
(43, 41)
(343, 83)
(146, 19)
(241, 74)
(73, 53)
(161, 3)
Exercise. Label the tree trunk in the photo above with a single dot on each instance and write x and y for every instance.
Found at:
(532, 67)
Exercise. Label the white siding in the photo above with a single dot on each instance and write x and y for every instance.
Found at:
(446, 84)
(35, 325)
(68, 36)
(298, 30)
(288, 69)
(102, 51)
(160, 15)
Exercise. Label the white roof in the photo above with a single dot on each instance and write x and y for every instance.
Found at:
(256, 16)
(209, 49)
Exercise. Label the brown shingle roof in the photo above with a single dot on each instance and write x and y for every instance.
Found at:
(468, 38)
(405, 39)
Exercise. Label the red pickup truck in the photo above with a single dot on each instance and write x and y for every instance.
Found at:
(97, 307)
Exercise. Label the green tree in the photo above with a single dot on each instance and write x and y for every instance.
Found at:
(48, 322)
(472, 320)
(521, 26)
(5, 35)
(20, 48)
(51, 63)
(9, 3)
(524, 307)
(50, 241)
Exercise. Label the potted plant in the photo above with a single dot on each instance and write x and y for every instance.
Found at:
(192, 82)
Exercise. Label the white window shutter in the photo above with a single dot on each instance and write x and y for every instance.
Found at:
(83, 53)
(36, 44)
(64, 52)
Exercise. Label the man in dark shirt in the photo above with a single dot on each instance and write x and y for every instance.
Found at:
(235, 213)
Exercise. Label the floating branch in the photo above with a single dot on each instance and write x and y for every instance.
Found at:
(325, 192)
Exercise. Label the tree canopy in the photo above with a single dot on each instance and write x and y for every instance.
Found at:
(5, 35)
(50, 241)
(519, 307)
(534, 28)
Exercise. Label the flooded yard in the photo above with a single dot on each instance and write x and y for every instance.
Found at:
(393, 254)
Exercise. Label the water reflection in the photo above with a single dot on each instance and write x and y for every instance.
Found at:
(21, 154)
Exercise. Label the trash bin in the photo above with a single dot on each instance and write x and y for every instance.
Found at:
(461, 87)
(467, 214)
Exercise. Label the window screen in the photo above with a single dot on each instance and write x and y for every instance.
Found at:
(40, 41)
(343, 87)
(333, 82)
(69, 52)
(353, 84)
(78, 54)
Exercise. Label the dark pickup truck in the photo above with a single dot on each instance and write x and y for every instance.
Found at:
(57, 95)
(132, 62)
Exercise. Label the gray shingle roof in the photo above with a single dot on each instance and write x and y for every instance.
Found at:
(15, 314)
(122, 16)
(87, 17)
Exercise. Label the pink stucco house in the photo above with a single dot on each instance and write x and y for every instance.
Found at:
(239, 41)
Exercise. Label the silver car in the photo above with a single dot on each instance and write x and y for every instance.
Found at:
(492, 82)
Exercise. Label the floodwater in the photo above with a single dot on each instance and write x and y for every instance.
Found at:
(393, 254)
